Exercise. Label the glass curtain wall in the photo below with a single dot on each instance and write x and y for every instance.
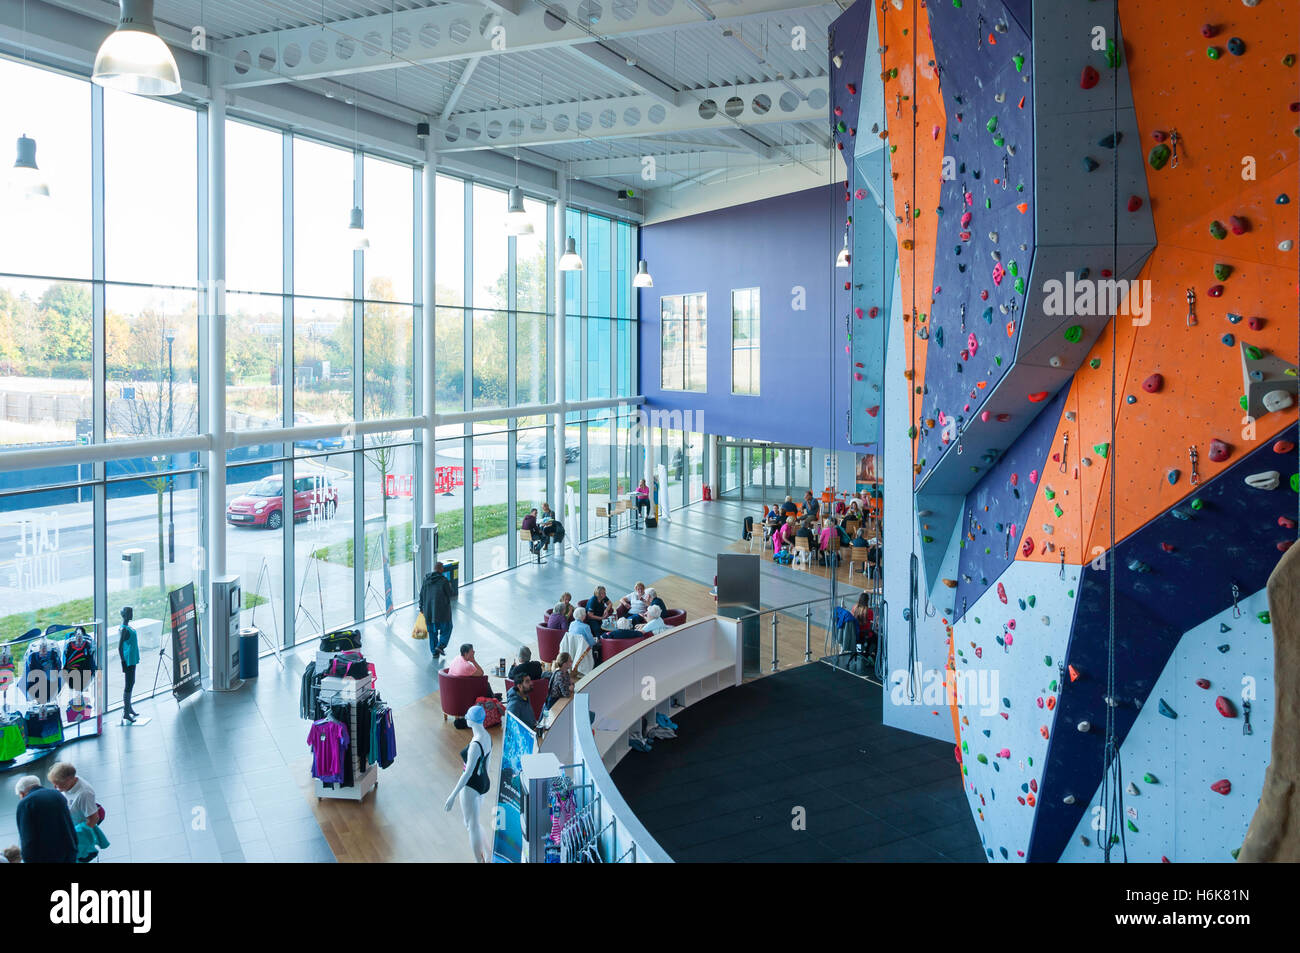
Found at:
(318, 332)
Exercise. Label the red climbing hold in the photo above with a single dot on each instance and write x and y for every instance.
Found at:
(1219, 451)
(1074, 673)
(1033, 785)
(1153, 384)
(1089, 78)
(1027, 547)
(1226, 708)
(1134, 203)
(1256, 323)
(853, 90)
(1167, 547)
(1284, 545)
(1202, 683)
(1209, 31)
(1222, 786)
(873, 312)
(873, 410)
(1038, 397)
(1215, 291)
(1284, 446)
(1286, 522)
(1051, 703)
(1002, 593)
(1239, 225)
(1164, 859)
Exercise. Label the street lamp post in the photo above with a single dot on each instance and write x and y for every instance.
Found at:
(170, 335)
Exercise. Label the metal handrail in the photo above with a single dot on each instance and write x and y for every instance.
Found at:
(807, 624)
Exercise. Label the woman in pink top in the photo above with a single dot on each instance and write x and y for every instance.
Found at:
(827, 535)
(782, 536)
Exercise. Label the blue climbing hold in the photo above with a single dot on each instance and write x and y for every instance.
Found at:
(1229, 340)
(1224, 627)
(1166, 710)
(1224, 648)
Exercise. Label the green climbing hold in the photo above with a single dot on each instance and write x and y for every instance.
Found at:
(1058, 511)
(1158, 156)
(1198, 504)
(1095, 363)
(999, 141)
(992, 124)
(1253, 352)
(1235, 851)
(1213, 52)
(1070, 593)
(1217, 230)
(1264, 617)
(1113, 56)
(998, 361)
(1047, 660)
(927, 539)
(1242, 400)
(957, 4)
(977, 620)
(1295, 483)
(1031, 600)
(1074, 333)
(982, 758)
(1222, 271)
(963, 745)
(1150, 779)
(1049, 493)
(911, 433)
(1013, 267)
(1131, 826)
(1020, 286)
(1052, 685)
(1019, 61)
(1101, 449)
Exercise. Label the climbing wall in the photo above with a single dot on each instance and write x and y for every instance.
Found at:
(1137, 250)
(1009, 669)
(1176, 805)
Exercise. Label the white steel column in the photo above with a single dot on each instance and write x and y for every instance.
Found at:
(561, 329)
(428, 330)
(215, 299)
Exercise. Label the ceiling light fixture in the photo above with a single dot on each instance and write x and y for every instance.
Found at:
(642, 279)
(570, 260)
(517, 222)
(701, 9)
(133, 58)
(27, 177)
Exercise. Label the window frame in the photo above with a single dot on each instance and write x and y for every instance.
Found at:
(687, 345)
(754, 319)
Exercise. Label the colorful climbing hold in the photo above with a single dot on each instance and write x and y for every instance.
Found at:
(1089, 78)
(1165, 709)
(1236, 46)
(1225, 706)
(1222, 271)
(1158, 156)
(1102, 450)
(1217, 230)
(1222, 786)
(1239, 224)
(1219, 451)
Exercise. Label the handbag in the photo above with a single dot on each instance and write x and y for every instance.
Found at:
(421, 630)
(493, 711)
(342, 641)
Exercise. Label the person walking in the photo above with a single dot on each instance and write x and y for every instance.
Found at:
(83, 809)
(45, 831)
(435, 605)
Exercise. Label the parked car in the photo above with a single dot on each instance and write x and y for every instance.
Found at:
(320, 443)
(263, 503)
(532, 452)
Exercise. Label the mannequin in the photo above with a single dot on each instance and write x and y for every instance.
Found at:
(128, 650)
(474, 782)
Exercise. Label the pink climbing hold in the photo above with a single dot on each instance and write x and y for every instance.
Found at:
(860, 194)
(1286, 522)
(1089, 78)
(934, 133)
(965, 219)
(857, 376)
(1226, 708)
(972, 343)
(1219, 450)
(1222, 786)
(1011, 624)
(839, 111)
(1033, 477)
(970, 199)
(979, 652)
(858, 312)
(984, 415)
(943, 419)
(1040, 701)
(1004, 753)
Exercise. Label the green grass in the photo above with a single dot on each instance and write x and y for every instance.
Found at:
(149, 603)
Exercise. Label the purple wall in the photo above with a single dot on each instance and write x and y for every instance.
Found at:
(774, 245)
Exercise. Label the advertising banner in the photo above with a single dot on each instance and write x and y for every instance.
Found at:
(517, 740)
(186, 659)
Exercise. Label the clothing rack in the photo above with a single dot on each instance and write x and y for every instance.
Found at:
(365, 777)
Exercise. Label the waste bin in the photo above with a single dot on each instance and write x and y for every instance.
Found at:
(133, 568)
(249, 639)
(451, 569)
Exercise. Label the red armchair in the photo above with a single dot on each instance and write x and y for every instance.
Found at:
(674, 617)
(548, 643)
(457, 693)
(611, 647)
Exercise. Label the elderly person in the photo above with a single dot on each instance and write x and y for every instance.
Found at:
(83, 809)
(557, 619)
(566, 600)
(580, 643)
(653, 621)
(599, 606)
(635, 601)
(45, 831)
(652, 599)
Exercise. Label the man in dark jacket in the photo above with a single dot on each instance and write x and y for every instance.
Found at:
(517, 702)
(45, 831)
(435, 605)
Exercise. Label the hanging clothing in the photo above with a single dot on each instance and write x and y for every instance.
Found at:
(8, 668)
(387, 739)
(39, 668)
(13, 737)
(328, 740)
(79, 665)
(308, 692)
(44, 726)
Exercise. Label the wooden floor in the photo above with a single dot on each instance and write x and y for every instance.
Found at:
(403, 819)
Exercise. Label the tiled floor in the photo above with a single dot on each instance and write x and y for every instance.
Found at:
(215, 778)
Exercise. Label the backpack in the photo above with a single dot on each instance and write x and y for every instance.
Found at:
(493, 711)
(784, 557)
(342, 641)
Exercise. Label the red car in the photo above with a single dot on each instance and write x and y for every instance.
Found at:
(263, 504)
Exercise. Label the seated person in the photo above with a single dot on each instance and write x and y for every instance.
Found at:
(642, 497)
(652, 599)
(805, 533)
(551, 528)
(599, 607)
(566, 600)
(827, 539)
(653, 621)
(561, 680)
(859, 540)
(865, 617)
(525, 665)
(465, 663)
(517, 702)
(810, 505)
(622, 629)
(843, 535)
(783, 538)
(774, 515)
(580, 643)
(788, 507)
(556, 619)
(530, 525)
(635, 602)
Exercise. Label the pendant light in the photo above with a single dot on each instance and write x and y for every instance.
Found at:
(517, 222)
(642, 279)
(357, 230)
(570, 260)
(134, 58)
(27, 177)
